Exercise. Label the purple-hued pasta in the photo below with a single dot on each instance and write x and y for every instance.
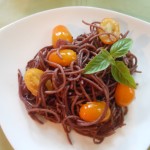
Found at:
(72, 88)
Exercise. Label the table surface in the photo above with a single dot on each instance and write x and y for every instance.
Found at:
(12, 10)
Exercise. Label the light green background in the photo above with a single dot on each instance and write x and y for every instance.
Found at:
(12, 10)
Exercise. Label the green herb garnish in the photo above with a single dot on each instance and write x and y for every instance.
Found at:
(119, 70)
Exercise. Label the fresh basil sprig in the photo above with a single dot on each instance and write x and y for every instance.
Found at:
(121, 74)
(102, 58)
(121, 47)
(119, 70)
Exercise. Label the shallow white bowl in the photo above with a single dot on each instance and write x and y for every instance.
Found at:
(21, 40)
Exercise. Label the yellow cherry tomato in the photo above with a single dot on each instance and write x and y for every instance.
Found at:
(124, 95)
(32, 80)
(109, 25)
(61, 32)
(67, 57)
(92, 110)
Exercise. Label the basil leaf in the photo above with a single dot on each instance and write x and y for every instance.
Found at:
(121, 47)
(98, 63)
(121, 74)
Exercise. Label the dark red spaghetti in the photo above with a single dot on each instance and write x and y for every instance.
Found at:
(72, 88)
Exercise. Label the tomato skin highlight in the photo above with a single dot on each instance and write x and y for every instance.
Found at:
(60, 32)
(109, 25)
(124, 95)
(92, 110)
(67, 57)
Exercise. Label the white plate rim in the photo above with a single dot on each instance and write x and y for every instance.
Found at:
(71, 7)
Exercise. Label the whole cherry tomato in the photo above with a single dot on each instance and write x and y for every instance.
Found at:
(124, 95)
(60, 32)
(68, 56)
(92, 110)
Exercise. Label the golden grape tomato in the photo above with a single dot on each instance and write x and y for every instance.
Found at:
(109, 25)
(32, 80)
(60, 32)
(92, 110)
(67, 57)
(124, 95)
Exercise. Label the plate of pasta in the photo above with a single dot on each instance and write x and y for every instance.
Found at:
(76, 82)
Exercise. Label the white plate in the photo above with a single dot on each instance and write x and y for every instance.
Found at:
(21, 40)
